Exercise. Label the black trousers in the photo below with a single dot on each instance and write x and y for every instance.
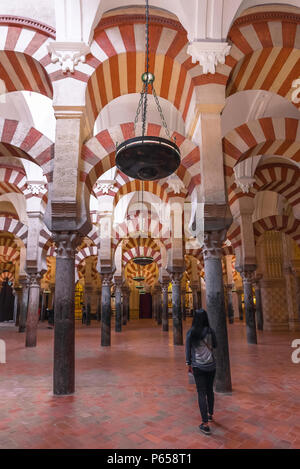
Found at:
(204, 382)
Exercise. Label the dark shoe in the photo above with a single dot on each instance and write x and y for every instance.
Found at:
(204, 429)
(210, 418)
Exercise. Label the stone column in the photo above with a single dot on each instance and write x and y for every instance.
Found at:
(64, 313)
(24, 304)
(118, 297)
(33, 309)
(194, 288)
(215, 305)
(199, 296)
(99, 305)
(106, 309)
(258, 304)
(248, 277)
(241, 312)
(165, 311)
(158, 304)
(183, 304)
(230, 311)
(88, 293)
(176, 308)
(18, 290)
(124, 305)
(43, 307)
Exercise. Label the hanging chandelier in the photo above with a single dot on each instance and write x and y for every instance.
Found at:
(138, 278)
(139, 287)
(147, 157)
(143, 260)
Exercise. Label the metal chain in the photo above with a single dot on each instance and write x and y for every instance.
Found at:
(139, 109)
(160, 112)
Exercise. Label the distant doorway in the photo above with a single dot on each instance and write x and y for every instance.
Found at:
(7, 300)
(145, 306)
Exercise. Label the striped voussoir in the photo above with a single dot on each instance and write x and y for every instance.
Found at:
(150, 273)
(150, 227)
(277, 177)
(265, 136)
(24, 60)
(141, 247)
(265, 54)
(287, 224)
(87, 251)
(20, 140)
(8, 253)
(118, 57)
(12, 179)
(98, 154)
(15, 227)
(234, 235)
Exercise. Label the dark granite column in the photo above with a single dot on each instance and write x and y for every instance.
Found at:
(195, 296)
(64, 313)
(24, 304)
(106, 310)
(183, 305)
(33, 309)
(199, 296)
(118, 298)
(98, 315)
(176, 308)
(165, 311)
(18, 290)
(88, 295)
(230, 310)
(124, 306)
(215, 305)
(158, 304)
(258, 303)
(241, 312)
(248, 277)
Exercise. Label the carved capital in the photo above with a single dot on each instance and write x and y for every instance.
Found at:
(164, 287)
(68, 54)
(208, 54)
(212, 244)
(36, 188)
(105, 186)
(34, 280)
(175, 184)
(176, 278)
(66, 243)
(106, 279)
(248, 276)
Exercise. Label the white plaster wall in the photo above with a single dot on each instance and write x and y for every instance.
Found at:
(40, 10)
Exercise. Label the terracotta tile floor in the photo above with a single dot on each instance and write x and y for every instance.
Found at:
(136, 393)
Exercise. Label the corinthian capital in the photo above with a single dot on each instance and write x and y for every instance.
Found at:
(106, 279)
(34, 280)
(176, 278)
(248, 276)
(212, 244)
(66, 243)
(208, 54)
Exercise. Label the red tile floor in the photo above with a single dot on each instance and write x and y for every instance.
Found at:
(136, 393)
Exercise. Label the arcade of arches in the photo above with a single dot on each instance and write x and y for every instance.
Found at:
(223, 230)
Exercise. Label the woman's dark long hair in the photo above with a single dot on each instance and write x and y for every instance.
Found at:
(200, 321)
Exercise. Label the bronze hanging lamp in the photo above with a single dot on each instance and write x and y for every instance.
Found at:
(147, 157)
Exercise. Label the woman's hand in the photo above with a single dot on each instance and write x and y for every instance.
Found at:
(190, 369)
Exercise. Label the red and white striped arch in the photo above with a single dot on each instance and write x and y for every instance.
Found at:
(20, 140)
(277, 177)
(234, 235)
(265, 136)
(12, 179)
(15, 227)
(84, 253)
(98, 154)
(150, 272)
(24, 59)
(119, 48)
(288, 224)
(265, 52)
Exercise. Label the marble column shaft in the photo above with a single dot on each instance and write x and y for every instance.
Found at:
(176, 308)
(165, 311)
(106, 310)
(64, 313)
(118, 298)
(24, 305)
(215, 305)
(33, 310)
(248, 277)
(258, 307)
